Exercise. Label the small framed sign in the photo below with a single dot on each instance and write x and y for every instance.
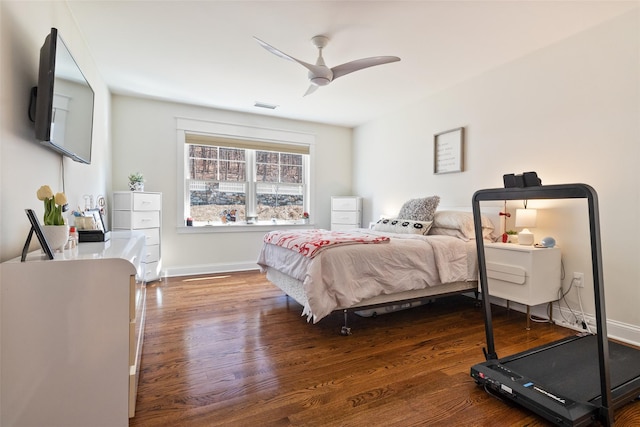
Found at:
(37, 229)
(448, 151)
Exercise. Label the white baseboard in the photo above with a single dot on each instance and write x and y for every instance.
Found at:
(562, 316)
(193, 270)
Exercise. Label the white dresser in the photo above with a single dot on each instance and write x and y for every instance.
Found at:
(139, 210)
(72, 332)
(346, 212)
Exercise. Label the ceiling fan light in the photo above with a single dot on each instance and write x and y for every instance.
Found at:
(320, 81)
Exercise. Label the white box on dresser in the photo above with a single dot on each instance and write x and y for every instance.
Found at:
(140, 210)
(72, 333)
(346, 212)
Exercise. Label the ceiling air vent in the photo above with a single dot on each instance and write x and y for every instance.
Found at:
(265, 105)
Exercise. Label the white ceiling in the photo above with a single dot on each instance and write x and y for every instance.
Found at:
(203, 52)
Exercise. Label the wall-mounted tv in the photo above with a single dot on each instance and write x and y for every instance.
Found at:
(64, 102)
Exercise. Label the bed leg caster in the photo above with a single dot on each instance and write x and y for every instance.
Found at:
(345, 329)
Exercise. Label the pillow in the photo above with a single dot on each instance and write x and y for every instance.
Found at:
(459, 224)
(419, 209)
(437, 231)
(402, 226)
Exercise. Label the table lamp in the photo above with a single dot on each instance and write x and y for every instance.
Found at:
(526, 218)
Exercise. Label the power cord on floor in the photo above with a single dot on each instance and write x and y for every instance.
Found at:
(561, 297)
(585, 325)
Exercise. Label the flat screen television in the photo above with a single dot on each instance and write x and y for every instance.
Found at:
(64, 102)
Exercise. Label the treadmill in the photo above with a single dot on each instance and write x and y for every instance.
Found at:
(575, 381)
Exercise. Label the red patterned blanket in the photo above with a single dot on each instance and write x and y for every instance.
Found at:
(310, 242)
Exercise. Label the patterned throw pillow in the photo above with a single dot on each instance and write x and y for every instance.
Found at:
(402, 226)
(422, 209)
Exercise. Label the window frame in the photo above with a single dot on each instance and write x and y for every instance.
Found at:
(274, 137)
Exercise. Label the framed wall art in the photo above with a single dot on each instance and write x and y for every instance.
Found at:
(448, 151)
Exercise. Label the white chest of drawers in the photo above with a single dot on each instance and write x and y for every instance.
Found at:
(139, 210)
(346, 212)
(72, 333)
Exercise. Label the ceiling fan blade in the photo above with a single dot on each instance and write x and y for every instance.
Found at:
(360, 64)
(311, 67)
(312, 88)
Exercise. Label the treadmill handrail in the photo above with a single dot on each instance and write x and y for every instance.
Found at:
(563, 191)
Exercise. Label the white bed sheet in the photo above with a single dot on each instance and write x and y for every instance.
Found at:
(344, 276)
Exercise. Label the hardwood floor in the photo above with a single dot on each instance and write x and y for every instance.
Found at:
(232, 350)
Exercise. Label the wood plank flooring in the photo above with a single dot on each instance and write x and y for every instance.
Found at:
(232, 350)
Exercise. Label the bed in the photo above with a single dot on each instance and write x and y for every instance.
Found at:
(398, 263)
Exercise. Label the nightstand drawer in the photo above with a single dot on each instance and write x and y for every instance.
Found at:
(506, 273)
(523, 274)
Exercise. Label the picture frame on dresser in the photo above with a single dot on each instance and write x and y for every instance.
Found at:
(99, 219)
(37, 229)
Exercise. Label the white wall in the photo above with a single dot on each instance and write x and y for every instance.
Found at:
(571, 112)
(144, 135)
(26, 165)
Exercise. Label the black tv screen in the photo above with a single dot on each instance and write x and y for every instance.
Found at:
(64, 102)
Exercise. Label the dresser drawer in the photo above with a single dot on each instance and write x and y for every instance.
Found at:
(152, 254)
(345, 203)
(137, 201)
(136, 220)
(151, 236)
(151, 271)
(345, 217)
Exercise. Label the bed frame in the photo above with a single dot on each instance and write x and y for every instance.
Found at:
(408, 299)
(293, 288)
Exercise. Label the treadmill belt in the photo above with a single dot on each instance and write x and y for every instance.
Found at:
(572, 369)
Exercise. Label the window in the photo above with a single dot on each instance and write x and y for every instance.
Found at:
(232, 181)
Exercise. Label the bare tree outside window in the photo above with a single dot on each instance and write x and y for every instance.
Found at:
(218, 184)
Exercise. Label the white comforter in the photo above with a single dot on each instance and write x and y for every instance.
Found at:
(344, 276)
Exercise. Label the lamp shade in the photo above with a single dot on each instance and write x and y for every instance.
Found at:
(526, 218)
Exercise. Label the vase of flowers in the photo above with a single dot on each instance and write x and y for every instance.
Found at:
(55, 229)
(305, 217)
(136, 182)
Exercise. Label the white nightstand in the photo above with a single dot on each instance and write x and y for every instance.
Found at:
(524, 274)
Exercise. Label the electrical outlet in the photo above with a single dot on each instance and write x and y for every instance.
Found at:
(578, 279)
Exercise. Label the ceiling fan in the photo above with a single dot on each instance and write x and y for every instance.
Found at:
(320, 74)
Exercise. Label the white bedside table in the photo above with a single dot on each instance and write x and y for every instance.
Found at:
(523, 274)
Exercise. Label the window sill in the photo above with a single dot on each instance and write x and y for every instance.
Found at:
(240, 228)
